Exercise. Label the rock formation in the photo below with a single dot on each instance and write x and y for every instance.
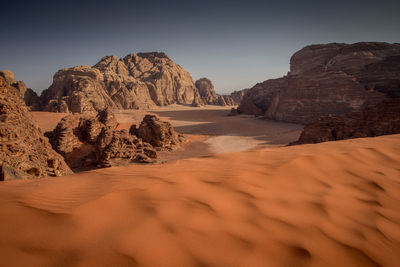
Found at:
(137, 81)
(208, 95)
(30, 97)
(237, 96)
(158, 133)
(87, 141)
(381, 119)
(24, 151)
(328, 79)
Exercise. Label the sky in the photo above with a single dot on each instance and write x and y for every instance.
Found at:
(233, 43)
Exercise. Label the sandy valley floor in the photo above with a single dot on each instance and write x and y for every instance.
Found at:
(329, 204)
(208, 130)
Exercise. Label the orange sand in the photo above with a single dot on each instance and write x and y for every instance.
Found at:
(329, 204)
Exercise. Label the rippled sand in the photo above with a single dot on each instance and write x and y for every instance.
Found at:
(329, 204)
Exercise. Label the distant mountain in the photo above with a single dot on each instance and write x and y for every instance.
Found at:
(137, 81)
(328, 79)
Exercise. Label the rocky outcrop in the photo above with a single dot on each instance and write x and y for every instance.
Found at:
(328, 79)
(381, 119)
(30, 97)
(24, 151)
(158, 133)
(87, 141)
(137, 81)
(209, 96)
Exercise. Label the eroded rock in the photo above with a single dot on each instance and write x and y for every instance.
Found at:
(158, 133)
(137, 81)
(209, 96)
(328, 79)
(30, 97)
(381, 119)
(88, 141)
(24, 151)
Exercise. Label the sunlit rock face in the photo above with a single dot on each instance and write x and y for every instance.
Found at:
(137, 81)
(328, 79)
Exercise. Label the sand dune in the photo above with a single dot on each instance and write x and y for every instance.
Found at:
(329, 204)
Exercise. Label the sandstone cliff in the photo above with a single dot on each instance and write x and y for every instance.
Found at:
(328, 79)
(209, 96)
(24, 151)
(136, 81)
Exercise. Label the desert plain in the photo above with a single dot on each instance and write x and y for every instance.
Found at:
(233, 195)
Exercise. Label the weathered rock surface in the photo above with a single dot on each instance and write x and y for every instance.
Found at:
(328, 79)
(88, 141)
(136, 81)
(24, 151)
(30, 97)
(381, 119)
(158, 133)
(209, 96)
(237, 96)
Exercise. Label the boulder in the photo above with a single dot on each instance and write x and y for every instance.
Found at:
(159, 134)
(24, 151)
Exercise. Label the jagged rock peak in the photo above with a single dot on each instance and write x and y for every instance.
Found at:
(152, 55)
(137, 81)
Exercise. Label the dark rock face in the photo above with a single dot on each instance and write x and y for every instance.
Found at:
(138, 81)
(328, 79)
(24, 151)
(381, 119)
(87, 141)
(208, 95)
(30, 97)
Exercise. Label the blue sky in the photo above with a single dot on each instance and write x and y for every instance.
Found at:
(234, 43)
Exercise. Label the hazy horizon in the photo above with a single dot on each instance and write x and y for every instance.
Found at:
(235, 44)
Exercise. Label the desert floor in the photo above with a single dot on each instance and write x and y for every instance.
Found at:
(208, 130)
(328, 204)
